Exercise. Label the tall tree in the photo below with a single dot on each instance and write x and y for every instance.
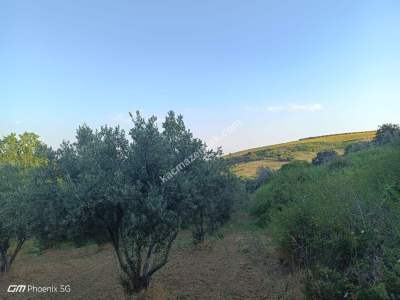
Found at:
(213, 192)
(120, 187)
(14, 214)
(26, 150)
(19, 155)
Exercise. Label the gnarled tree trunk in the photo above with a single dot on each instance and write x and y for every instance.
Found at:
(7, 260)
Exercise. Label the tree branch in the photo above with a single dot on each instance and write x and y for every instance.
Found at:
(165, 258)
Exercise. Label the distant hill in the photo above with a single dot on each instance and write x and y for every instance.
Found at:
(246, 162)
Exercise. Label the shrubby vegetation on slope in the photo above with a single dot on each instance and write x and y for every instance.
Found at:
(245, 163)
(340, 221)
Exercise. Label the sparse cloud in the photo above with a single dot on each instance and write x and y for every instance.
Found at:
(275, 108)
(18, 122)
(292, 107)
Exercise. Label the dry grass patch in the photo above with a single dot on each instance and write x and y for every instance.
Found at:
(242, 265)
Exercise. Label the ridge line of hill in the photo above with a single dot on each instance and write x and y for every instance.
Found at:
(245, 151)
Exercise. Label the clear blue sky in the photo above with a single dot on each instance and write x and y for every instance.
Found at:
(284, 69)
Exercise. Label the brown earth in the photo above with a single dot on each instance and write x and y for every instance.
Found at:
(239, 266)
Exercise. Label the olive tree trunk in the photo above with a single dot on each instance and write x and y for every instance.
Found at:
(7, 260)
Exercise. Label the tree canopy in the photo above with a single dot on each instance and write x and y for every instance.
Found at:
(19, 155)
(116, 189)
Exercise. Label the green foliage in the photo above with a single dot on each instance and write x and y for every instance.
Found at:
(340, 221)
(355, 147)
(19, 157)
(387, 133)
(54, 207)
(338, 163)
(117, 194)
(324, 157)
(280, 190)
(25, 149)
(245, 163)
(133, 193)
(213, 192)
(15, 216)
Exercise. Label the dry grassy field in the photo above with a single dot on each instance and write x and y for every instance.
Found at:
(303, 149)
(248, 169)
(242, 265)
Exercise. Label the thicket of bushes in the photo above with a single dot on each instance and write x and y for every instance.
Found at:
(340, 221)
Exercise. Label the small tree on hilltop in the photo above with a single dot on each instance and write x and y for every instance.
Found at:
(387, 133)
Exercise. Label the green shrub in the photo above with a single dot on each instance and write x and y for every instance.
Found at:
(338, 163)
(343, 227)
(355, 147)
(324, 157)
(387, 133)
(280, 189)
(326, 283)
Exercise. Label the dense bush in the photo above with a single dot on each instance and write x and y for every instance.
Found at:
(343, 227)
(324, 157)
(355, 147)
(280, 190)
(387, 133)
(212, 195)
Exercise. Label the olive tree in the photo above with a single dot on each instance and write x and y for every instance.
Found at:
(17, 192)
(212, 196)
(19, 157)
(14, 221)
(119, 187)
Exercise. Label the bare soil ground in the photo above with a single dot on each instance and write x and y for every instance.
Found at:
(239, 266)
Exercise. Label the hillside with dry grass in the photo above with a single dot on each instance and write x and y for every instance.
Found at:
(246, 162)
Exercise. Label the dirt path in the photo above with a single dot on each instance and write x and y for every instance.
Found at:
(239, 266)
